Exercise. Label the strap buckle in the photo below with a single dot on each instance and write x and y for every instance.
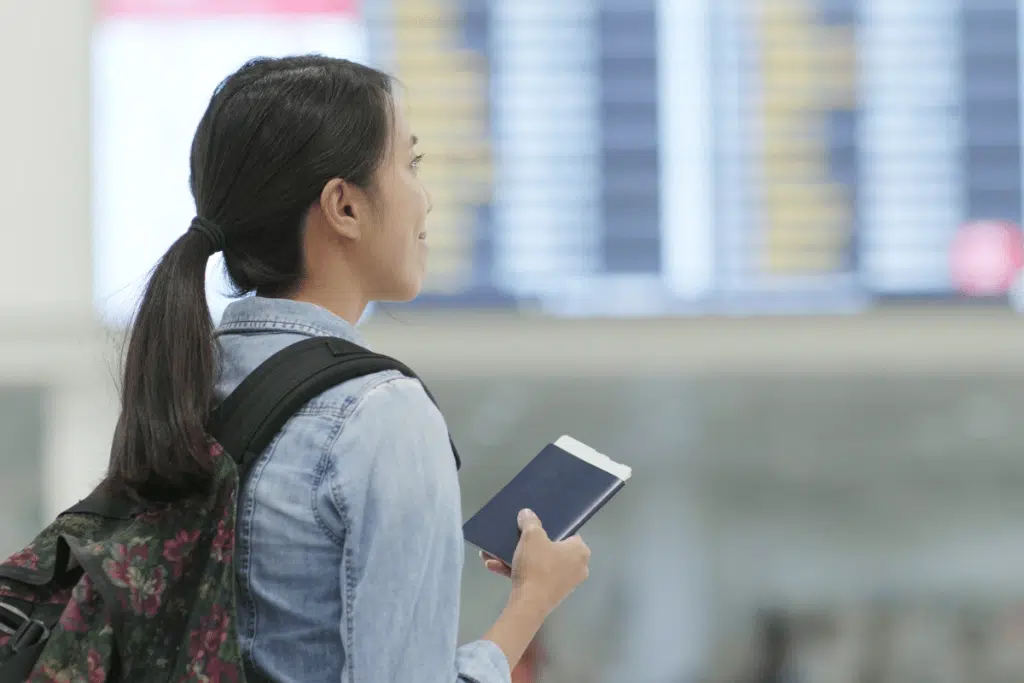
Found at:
(338, 347)
(28, 633)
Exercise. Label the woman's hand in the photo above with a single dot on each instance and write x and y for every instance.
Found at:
(493, 564)
(544, 571)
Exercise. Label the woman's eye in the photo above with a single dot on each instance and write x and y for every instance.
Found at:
(416, 162)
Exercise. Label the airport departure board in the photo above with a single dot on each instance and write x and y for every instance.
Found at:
(627, 157)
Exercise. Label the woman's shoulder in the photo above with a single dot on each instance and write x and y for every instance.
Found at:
(388, 401)
(349, 418)
(241, 354)
(392, 442)
(372, 393)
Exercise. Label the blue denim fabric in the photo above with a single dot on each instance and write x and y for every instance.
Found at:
(350, 549)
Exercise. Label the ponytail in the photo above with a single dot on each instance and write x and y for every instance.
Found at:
(273, 135)
(160, 449)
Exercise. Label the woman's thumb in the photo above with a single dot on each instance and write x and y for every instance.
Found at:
(527, 519)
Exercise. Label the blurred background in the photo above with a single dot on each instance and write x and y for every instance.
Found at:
(766, 252)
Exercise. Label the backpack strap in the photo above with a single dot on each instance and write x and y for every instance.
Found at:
(248, 420)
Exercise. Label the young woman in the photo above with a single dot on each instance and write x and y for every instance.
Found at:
(349, 544)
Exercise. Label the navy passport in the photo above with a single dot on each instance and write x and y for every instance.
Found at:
(565, 484)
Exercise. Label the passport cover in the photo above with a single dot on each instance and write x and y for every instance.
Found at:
(565, 484)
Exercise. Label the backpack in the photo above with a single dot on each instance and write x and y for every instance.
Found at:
(121, 591)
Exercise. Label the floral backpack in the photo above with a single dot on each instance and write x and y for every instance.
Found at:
(116, 591)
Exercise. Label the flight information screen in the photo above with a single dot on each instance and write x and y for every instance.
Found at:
(610, 158)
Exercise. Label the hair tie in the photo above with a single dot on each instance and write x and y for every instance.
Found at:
(210, 230)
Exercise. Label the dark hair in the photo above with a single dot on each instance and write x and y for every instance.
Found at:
(274, 134)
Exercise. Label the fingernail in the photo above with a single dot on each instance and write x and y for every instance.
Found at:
(525, 514)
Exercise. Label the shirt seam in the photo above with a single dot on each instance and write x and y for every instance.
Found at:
(258, 324)
(347, 551)
(342, 412)
(317, 407)
(324, 468)
(250, 484)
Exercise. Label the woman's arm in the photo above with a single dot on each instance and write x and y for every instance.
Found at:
(394, 483)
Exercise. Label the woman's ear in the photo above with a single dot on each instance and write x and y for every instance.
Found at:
(343, 207)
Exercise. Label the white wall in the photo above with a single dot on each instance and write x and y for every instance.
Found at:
(44, 180)
(47, 333)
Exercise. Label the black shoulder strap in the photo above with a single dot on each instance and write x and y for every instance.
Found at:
(247, 421)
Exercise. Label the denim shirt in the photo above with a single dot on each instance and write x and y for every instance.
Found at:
(349, 541)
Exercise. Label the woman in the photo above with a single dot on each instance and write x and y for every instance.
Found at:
(349, 545)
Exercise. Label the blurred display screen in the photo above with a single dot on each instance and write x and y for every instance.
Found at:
(599, 157)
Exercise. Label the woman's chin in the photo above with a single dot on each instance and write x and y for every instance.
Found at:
(405, 291)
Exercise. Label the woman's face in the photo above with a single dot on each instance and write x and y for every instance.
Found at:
(395, 247)
(369, 244)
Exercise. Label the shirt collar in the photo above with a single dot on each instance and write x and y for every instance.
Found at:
(261, 314)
